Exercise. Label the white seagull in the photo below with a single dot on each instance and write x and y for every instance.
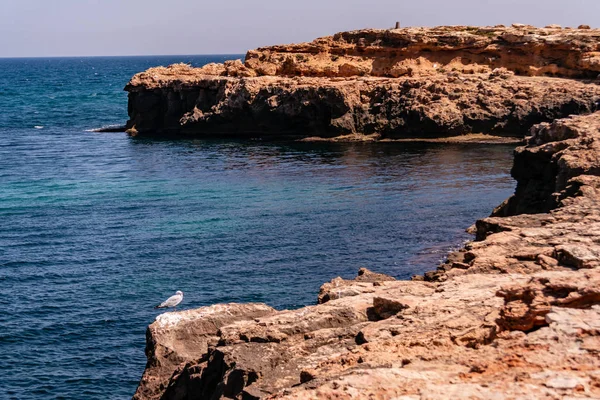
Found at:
(172, 301)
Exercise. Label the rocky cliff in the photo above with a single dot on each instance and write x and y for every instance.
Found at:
(374, 84)
(515, 314)
(524, 49)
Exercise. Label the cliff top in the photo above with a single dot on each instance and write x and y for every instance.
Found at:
(454, 37)
(392, 53)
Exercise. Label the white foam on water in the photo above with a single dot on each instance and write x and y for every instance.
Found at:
(102, 128)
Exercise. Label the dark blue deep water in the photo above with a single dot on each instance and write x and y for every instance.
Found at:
(96, 228)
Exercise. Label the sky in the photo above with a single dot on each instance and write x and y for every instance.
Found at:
(43, 28)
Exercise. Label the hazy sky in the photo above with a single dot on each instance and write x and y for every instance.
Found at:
(132, 27)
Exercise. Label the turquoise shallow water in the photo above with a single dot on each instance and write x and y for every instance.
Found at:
(96, 228)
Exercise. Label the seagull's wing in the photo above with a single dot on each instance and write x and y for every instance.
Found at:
(171, 301)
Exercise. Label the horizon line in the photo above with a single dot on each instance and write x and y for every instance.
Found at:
(130, 55)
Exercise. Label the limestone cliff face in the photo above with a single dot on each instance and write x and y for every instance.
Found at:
(397, 83)
(552, 219)
(176, 338)
(388, 108)
(524, 49)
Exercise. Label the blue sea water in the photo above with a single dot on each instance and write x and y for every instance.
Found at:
(97, 228)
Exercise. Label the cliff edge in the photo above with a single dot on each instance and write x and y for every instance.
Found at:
(379, 84)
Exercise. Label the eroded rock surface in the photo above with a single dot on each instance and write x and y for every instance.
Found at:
(515, 314)
(363, 283)
(379, 84)
(558, 184)
(179, 337)
(523, 49)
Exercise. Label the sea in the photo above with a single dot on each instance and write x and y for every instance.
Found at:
(98, 228)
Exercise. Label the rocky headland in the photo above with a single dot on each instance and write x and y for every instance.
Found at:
(514, 314)
(379, 84)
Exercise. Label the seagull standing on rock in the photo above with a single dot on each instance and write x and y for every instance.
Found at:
(172, 301)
